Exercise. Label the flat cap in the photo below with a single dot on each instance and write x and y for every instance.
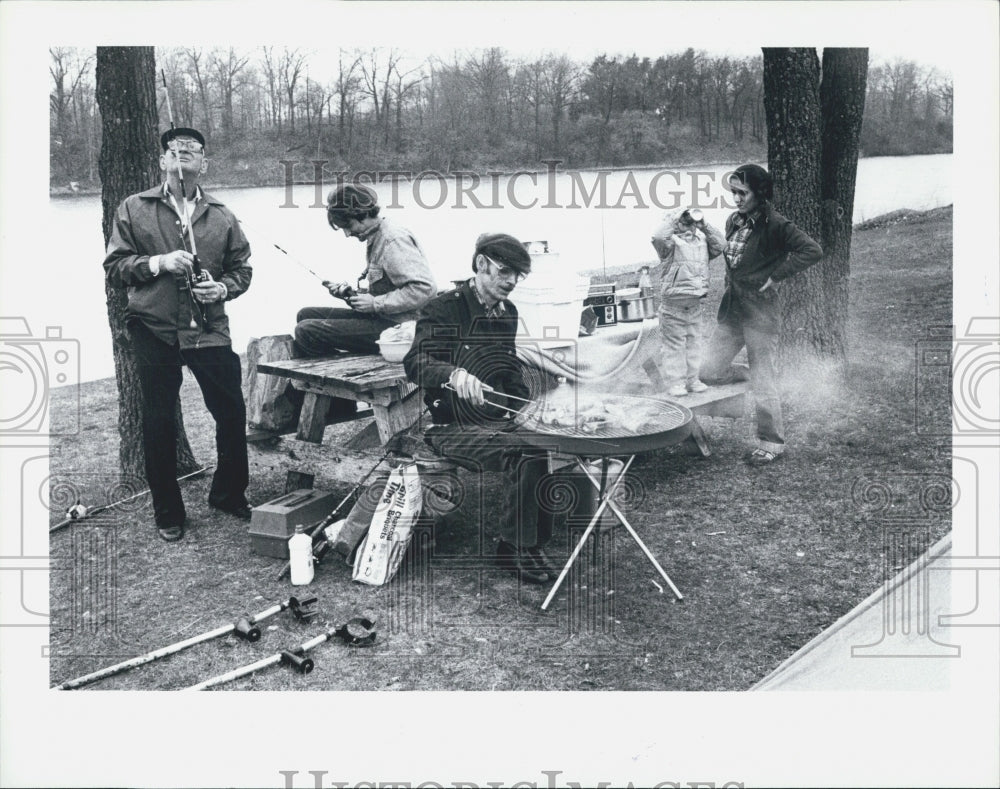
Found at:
(181, 131)
(504, 249)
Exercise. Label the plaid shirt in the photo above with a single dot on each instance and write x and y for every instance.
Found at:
(736, 244)
(497, 310)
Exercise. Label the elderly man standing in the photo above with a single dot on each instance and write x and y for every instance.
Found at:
(176, 316)
(464, 358)
(399, 280)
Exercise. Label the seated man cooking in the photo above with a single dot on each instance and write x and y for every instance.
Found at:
(463, 357)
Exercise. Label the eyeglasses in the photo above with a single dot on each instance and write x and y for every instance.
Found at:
(193, 146)
(506, 272)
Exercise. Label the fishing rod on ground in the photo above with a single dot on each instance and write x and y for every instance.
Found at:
(358, 632)
(321, 545)
(80, 511)
(198, 274)
(245, 628)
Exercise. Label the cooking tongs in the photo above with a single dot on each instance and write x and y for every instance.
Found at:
(494, 403)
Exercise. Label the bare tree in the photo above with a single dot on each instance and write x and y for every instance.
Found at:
(273, 85)
(348, 83)
(227, 67)
(68, 70)
(199, 71)
(291, 64)
(560, 88)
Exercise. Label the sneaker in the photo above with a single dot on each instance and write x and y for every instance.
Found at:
(761, 457)
(696, 386)
(678, 390)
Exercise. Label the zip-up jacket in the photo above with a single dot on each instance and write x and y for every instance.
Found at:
(146, 224)
(685, 258)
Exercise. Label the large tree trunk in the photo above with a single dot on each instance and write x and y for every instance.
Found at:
(128, 163)
(792, 108)
(842, 99)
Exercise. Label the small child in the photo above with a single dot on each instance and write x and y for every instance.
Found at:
(685, 243)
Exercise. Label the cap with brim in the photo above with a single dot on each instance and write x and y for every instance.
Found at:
(506, 250)
(171, 134)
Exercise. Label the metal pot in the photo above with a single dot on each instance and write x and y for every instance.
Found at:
(633, 306)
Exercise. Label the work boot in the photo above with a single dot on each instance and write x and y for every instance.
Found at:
(520, 563)
(544, 563)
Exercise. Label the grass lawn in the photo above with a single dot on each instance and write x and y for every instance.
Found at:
(766, 558)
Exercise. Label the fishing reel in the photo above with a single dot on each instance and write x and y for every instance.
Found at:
(343, 291)
(198, 274)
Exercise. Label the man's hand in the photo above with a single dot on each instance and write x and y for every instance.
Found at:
(362, 302)
(335, 288)
(208, 291)
(468, 387)
(179, 261)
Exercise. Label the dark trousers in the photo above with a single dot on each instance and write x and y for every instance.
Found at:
(322, 331)
(524, 518)
(217, 370)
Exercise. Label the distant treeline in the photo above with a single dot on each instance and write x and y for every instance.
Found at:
(479, 111)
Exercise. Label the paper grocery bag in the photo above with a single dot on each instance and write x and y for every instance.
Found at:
(381, 553)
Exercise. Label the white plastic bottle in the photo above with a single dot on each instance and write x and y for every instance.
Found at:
(300, 557)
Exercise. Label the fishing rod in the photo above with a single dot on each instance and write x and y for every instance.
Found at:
(80, 511)
(341, 291)
(320, 544)
(244, 627)
(198, 274)
(363, 636)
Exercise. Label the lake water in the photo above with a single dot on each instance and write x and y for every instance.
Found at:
(565, 209)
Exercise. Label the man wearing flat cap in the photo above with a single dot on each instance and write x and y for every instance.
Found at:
(464, 358)
(176, 316)
(399, 280)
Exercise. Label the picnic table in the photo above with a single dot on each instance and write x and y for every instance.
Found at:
(393, 400)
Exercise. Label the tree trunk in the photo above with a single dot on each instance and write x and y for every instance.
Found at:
(128, 163)
(792, 108)
(842, 100)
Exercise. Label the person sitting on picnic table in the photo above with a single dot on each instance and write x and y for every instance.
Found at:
(399, 280)
(464, 358)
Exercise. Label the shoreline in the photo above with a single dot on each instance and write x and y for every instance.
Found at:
(67, 192)
(880, 222)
